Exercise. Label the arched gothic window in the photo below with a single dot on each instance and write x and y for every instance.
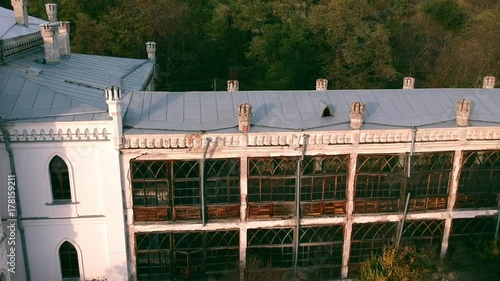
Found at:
(59, 179)
(69, 261)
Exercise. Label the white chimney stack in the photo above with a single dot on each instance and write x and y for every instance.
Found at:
(51, 9)
(357, 113)
(20, 11)
(244, 117)
(489, 82)
(463, 112)
(151, 49)
(321, 84)
(63, 39)
(50, 35)
(114, 100)
(408, 83)
(232, 85)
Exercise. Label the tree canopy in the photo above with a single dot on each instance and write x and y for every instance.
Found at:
(288, 44)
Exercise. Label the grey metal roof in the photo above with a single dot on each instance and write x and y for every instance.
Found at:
(9, 28)
(80, 78)
(301, 110)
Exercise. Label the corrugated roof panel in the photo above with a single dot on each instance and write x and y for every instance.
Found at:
(290, 108)
(259, 110)
(416, 104)
(403, 107)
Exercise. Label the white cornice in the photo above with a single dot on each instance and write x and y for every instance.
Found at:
(294, 139)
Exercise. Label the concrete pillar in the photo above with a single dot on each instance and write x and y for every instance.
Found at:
(357, 113)
(346, 251)
(63, 39)
(408, 83)
(321, 84)
(452, 196)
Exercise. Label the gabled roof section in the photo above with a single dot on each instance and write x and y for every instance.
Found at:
(9, 29)
(27, 101)
(301, 110)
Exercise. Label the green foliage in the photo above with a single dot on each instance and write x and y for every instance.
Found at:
(447, 12)
(288, 44)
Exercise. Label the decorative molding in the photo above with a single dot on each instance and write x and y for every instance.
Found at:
(69, 134)
(482, 134)
(294, 139)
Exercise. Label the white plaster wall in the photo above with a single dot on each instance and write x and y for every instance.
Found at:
(94, 220)
(45, 237)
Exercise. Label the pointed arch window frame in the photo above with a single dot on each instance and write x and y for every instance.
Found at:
(52, 200)
(79, 259)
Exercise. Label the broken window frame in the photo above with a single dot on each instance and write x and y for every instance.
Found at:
(479, 180)
(323, 186)
(175, 186)
(382, 175)
(271, 187)
(189, 255)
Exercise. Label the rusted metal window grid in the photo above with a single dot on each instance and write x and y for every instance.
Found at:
(479, 184)
(271, 187)
(323, 185)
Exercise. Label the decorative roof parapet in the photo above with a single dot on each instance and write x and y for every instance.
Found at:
(463, 112)
(321, 84)
(357, 112)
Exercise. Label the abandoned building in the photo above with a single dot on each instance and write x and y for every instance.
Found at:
(120, 181)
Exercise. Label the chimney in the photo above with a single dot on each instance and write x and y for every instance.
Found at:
(151, 49)
(50, 33)
(321, 84)
(463, 112)
(232, 85)
(20, 11)
(63, 39)
(489, 82)
(408, 83)
(244, 117)
(357, 113)
(51, 9)
(114, 101)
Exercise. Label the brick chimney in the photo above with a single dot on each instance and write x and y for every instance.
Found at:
(321, 84)
(20, 11)
(244, 117)
(232, 85)
(408, 83)
(357, 112)
(50, 35)
(151, 49)
(51, 10)
(463, 112)
(489, 82)
(63, 39)
(114, 101)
